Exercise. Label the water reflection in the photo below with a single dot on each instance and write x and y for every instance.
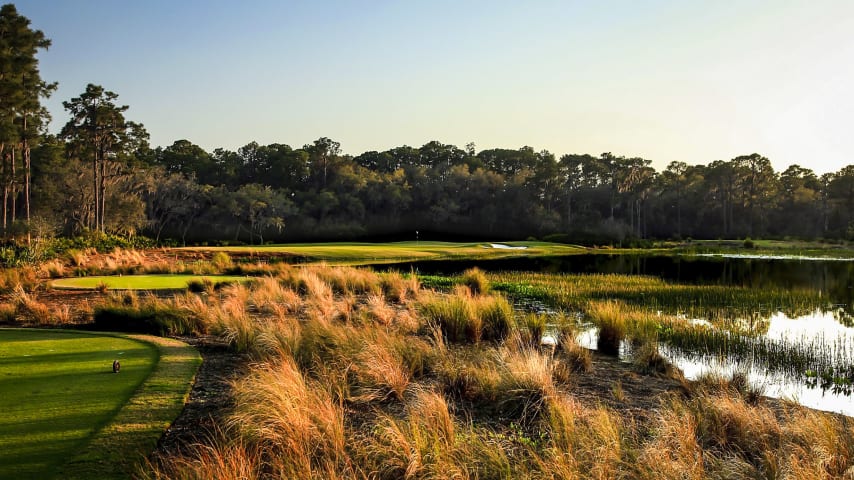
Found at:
(801, 355)
(834, 279)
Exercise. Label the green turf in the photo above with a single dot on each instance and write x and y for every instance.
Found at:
(353, 253)
(58, 389)
(140, 282)
(119, 448)
(64, 414)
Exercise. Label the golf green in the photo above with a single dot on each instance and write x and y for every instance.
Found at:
(58, 389)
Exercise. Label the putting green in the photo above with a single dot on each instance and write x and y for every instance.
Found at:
(140, 282)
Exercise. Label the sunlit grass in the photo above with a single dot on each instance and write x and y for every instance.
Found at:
(355, 253)
(63, 412)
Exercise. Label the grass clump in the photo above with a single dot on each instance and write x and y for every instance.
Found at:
(221, 262)
(300, 428)
(476, 281)
(646, 359)
(608, 316)
(464, 318)
(535, 328)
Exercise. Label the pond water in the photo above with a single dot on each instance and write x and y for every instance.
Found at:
(832, 278)
(829, 330)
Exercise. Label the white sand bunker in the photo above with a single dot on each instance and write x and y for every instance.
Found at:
(506, 247)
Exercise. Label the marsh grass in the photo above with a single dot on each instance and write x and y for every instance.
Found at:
(428, 442)
(608, 316)
(476, 281)
(350, 380)
(300, 428)
(398, 287)
(572, 292)
(29, 310)
(534, 328)
(24, 277)
(646, 359)
(464, 318)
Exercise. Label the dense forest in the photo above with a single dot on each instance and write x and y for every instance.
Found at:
(99, 174)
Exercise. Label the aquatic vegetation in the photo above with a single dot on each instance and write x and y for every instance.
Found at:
(572, 291)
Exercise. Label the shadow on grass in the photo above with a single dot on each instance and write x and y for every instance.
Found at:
(119, 448)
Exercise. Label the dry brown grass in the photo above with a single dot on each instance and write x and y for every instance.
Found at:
(350, 381)
(398, 287)
(429, 443)
(27, 278)
(219, 458)
(674, 451)
(299, 424)
(30, 310)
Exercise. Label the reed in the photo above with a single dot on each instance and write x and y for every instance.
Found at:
(527, 381)
(573, 356)
(496, 315)
(24, 277)
(573, 291)
(429, 443)
(357, 281)
(583, 442)
(646, 359)
(409, 389)
(454, 315)
(464, 318)
(381, 371)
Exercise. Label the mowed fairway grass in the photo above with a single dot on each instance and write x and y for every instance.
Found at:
(59, 397)
(355, 253)
(140, 282)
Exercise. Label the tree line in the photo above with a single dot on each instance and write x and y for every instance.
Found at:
(100, 174)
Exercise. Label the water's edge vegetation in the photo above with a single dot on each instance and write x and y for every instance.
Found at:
(354, 373)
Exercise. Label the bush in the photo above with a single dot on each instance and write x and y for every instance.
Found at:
(748, 243)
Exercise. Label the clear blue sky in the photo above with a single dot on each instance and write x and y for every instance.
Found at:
(665, 80)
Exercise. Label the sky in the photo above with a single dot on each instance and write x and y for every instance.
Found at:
(691, 81)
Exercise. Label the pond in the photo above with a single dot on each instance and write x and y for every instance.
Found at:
(833, 278)
(825, 334)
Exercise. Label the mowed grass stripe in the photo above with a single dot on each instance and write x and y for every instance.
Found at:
(58, 389)
(61, 401)
(140, 282)
(121, 447)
